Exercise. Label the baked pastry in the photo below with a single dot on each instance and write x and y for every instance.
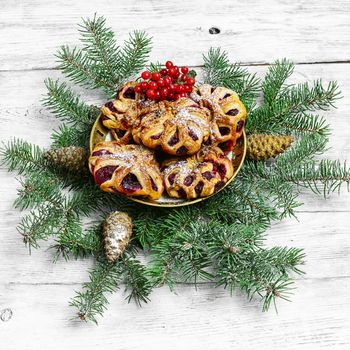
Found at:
(228, 114)
(119, 115)
(197, 176)
(128, 169)
(178, 128)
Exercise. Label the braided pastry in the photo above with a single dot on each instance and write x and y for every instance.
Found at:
(178, 128)
(228, 114)
(128, 169)
(119, 115)
(197, 176)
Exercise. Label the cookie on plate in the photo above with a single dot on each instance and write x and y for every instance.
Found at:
(128, 169)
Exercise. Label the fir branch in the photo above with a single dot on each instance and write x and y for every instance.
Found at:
(101, 63)
(304, 123)
(190, 259)
(79, 68)
(104, 278)
(27, 159)
(134, 54)
(78, 243)
(303, 98)
(240, 262)
(293, 103)
(270, 268)
(304, 150)
(284, 259)
(67, 136)
(101, 47)
(40, 224)
(136, 280)
(275, 78)
(155, 67)
(38, 187)
(219, 72)
(242, 201)
(325, 177)
(146, 227)
(259, 273)
(225, 241)
(21, 156)
(179, 250)
(66, 105)
(283, 196)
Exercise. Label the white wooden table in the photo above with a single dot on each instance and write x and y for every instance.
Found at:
(316, 36)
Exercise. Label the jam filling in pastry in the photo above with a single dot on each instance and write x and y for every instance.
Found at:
(128, 169)
(119, 115)
(228, 115)
(178, 128)
(199, 175)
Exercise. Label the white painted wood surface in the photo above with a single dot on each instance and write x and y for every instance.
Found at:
(314, 33)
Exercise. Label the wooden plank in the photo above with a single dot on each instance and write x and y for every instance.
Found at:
(251, 31)
(204, 319)
(324, 237)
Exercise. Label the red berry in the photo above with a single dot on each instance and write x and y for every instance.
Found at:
(176, 68)
(172, 87)
(169, 64)
(171, 96)
(144, 85)
(176, 97)
(180, 88)
(138, 89)
(167, 80)
(151, 94)
(163, 71)
(155, 76)
(161, 83)
(188, 88)
(177, 75)
(190, 81)
(164, 92)
(146, 75)
(184, 70)
(184, 77)
(183, 94)
(172, 71)
(157, 95)
(152, 85)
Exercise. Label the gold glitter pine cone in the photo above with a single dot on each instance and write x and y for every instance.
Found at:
(73, 159)
(116, 230)
(262, 147)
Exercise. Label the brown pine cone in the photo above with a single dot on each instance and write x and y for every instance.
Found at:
(262, 147)
(117, 230)
(73, 159)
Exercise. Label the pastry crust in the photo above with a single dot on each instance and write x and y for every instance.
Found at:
(128, 169)
(178, 128)
(228, 114)
(197, 176)
(120, 114)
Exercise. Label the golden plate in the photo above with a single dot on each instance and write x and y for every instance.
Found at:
(99, 133)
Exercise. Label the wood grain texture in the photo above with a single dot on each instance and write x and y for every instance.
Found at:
(204, 319)
(37, 291)
(252, 31)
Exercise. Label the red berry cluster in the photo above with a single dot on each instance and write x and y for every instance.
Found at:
(168, 84)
